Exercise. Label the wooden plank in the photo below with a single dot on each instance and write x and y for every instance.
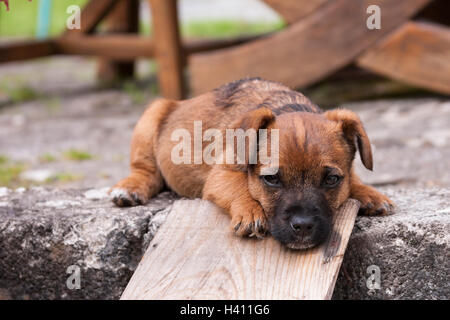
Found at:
(417, 53)
(195, 256)
(23, 50)
(168, 48)
(294, 10)
(124, 19)
(91, 15)
(305, 52)
(117, 47)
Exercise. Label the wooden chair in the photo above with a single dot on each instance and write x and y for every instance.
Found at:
(323, 36)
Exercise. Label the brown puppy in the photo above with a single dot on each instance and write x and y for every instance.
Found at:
(313, 175)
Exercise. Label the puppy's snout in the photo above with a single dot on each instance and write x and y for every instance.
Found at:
(303, 225)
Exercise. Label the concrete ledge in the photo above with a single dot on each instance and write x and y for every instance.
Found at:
(44, 231)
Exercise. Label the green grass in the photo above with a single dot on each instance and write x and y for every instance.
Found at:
(47, 158)
(226, 28)
(63, 177)
(77, 155)
(9, 172)
(3, 160)
(17, 90)
(221, 28)
(21, 19)
(136, 94)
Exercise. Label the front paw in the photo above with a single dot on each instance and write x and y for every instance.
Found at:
(249, 221)
(129, 192)
(373, 202)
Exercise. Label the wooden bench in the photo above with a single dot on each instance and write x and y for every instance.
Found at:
(323, 36)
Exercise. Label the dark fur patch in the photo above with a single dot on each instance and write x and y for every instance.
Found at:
(292, 107)
(227, 92)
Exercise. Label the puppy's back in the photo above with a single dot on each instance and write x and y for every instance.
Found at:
(257, 93)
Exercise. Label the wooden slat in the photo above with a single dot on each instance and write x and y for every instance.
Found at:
(91, 15)
(124, 19)
(129, 47)
(118, 47)
(168, 48)
(195, 256)
(305, 52)
(417, 53)
(293, 10)
(23, 50)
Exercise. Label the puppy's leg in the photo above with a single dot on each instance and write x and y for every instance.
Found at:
(229, 190)
(145, 179)
(372, 201)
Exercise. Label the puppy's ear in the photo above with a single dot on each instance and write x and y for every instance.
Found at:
(256, 119)
(249, 124)
(354, 132)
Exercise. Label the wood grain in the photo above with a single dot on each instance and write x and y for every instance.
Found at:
(306, 51)
(293, 10)
(168, 50)
(195, 256)
(418, 53)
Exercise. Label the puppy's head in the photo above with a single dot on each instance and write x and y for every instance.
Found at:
(312, 177)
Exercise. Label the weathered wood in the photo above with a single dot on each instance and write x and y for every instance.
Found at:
(124, 19)
(23, 50)
(168, 49)
(417, 53)
(305, 52)
(293, 10)
(195, 256)
(91, 15)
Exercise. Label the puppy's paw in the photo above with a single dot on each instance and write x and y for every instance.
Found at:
(129, 192)
(373, 202)
(249, 221)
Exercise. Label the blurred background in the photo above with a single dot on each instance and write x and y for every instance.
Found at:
(61, 125)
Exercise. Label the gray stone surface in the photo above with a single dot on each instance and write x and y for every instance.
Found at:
(411, 248)
(44, 231)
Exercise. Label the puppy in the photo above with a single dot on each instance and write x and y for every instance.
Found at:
(294, 199)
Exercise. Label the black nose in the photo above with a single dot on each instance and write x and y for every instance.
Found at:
(303, 224)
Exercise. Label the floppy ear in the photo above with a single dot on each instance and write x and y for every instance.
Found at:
(354, 132)
(251, 122)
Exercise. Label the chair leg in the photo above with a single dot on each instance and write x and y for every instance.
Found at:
(123, 19)
(168, 50)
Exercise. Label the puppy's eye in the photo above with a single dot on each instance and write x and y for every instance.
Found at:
(332, 180)
(272, 180)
